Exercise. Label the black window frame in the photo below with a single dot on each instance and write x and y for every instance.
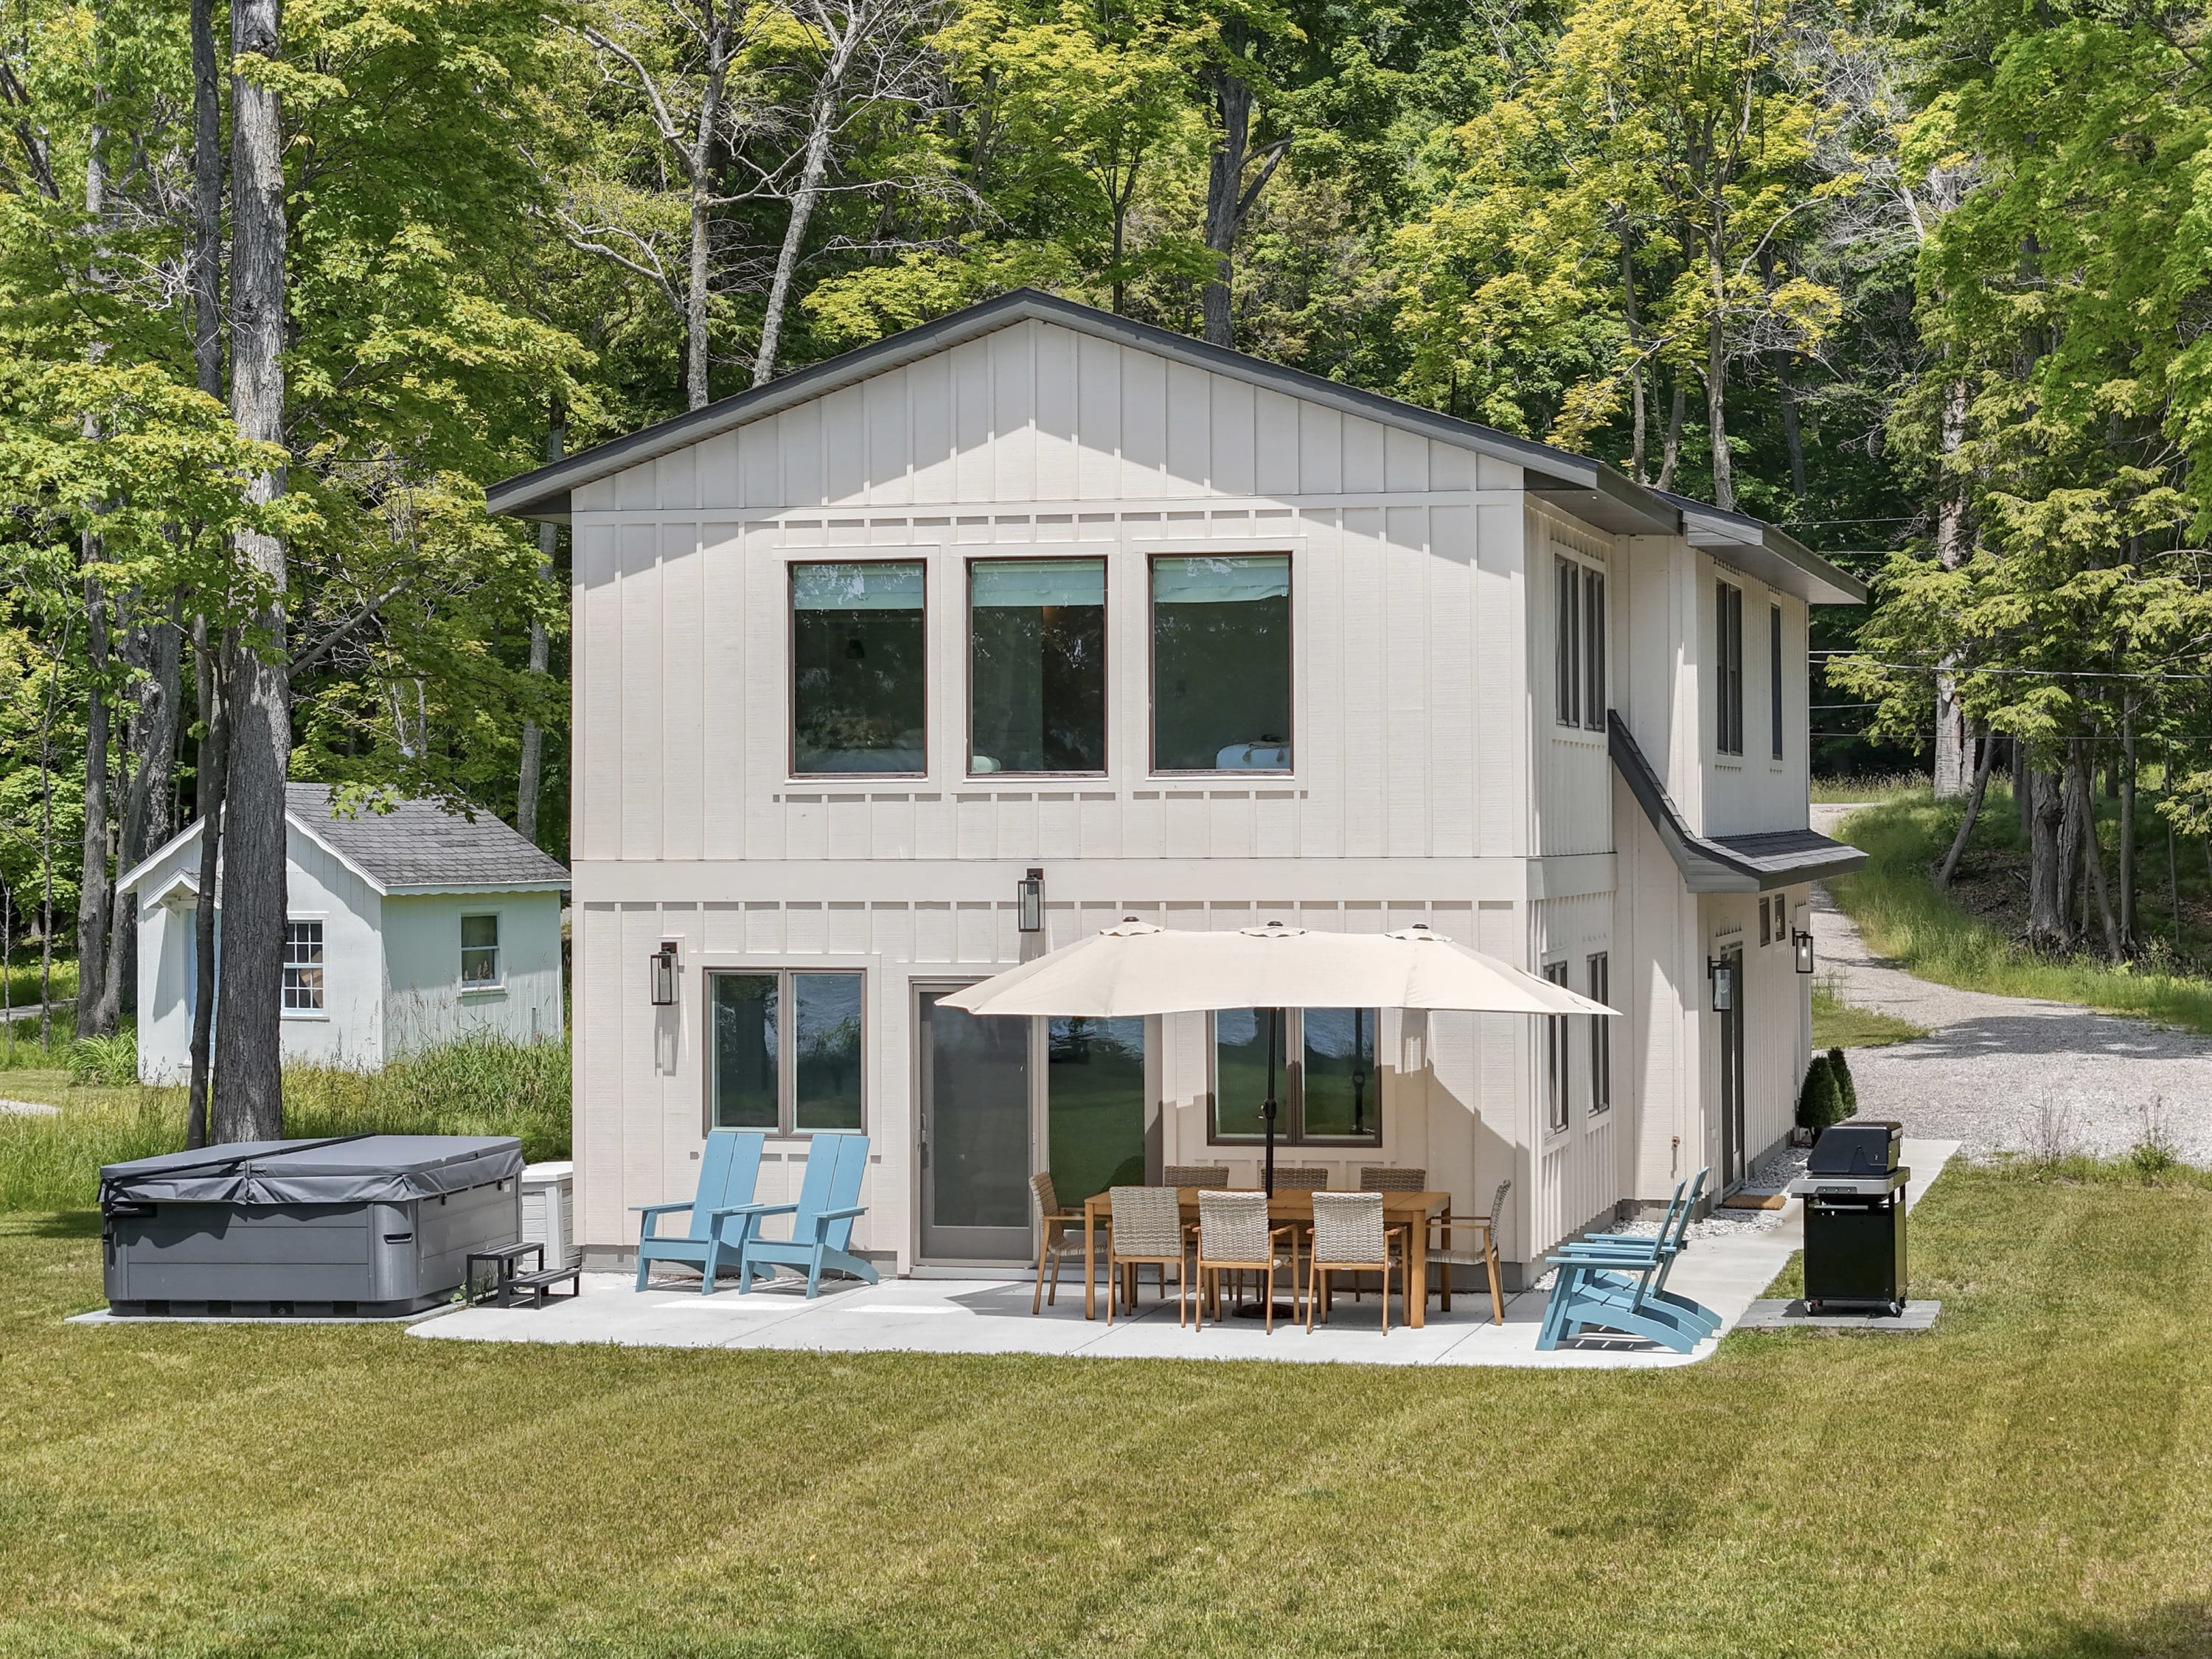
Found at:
(1153, 767)
(792, 568)
(1727, 653)
(968, 654)
(1559, 1107)
(786, 1088)
(1774, 674)
(1290, 1122)
(1567, 643)
(1598, 970)
(1594, 662)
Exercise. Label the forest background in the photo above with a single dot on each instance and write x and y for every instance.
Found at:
(282, 289)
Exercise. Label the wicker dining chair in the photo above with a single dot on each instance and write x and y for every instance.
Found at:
(1349, 1237)
(1390, 1178)
(1301, 1178)
(1059, 1232)
(1195, 1175)
(1482, 1253)
(1147, 1229)
(1233, 1236)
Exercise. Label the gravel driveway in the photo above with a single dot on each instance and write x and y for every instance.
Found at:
(2008, 1073)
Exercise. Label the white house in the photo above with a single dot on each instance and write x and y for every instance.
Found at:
(404, 928)
(1190, 637)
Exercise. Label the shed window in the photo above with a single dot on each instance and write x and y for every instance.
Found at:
(1332, 1095)
(858, 662)
(1728, 662)
(303, 966)
(479, 953)
(756, 1019)
(1221, 664)
(1037, 666)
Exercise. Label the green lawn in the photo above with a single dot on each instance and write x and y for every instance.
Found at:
(22, 968)
(1903, 918)
(1840, 1024)
(2032, 1479)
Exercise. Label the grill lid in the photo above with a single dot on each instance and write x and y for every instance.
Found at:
(1860, 1147)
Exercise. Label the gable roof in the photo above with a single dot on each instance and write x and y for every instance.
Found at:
(1589, 489)
(418, 846)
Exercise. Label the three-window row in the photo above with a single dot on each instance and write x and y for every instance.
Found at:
(1037, 688)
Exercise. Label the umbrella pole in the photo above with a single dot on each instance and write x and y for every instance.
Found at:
(1267, 1107)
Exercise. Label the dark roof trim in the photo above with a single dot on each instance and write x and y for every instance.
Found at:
(1589, 489)
(1756, 863)
(1775, 556)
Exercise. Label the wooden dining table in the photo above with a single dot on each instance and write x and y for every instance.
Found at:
(1411, 1211)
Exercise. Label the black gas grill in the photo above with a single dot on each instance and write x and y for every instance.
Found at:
(1854, 1194)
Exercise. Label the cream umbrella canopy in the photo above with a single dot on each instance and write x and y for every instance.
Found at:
(1135, 968)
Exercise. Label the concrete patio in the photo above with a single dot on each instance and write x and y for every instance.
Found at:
(991, 1315)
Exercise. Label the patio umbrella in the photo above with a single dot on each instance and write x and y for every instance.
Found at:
(1135, 968)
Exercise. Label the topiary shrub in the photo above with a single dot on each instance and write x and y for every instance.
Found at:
(1819, 1102)
(1845, 1087)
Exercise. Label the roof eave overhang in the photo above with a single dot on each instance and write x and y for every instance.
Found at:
(1774, 556)
(1588, 490)
(1707, 866)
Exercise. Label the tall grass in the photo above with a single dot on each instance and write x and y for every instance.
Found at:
(1869, 786)
(1904, 918)
(478, 1087)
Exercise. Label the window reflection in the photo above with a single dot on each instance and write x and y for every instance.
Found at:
(1221, 664)
(857, 668)
(1037, 666)
(1094, 1082)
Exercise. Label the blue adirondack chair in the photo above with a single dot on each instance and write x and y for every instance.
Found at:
(821, 1221)
(728, 1167)
(1619, 1284)
(1614, 1266)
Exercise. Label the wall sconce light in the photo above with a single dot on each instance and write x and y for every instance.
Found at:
(1030, 892)
(1723, 974)
(660, 974)
(1803, 941)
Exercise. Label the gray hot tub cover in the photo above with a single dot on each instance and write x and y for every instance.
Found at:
(356, 1170)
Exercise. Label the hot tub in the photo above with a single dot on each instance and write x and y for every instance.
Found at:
(366, 1226)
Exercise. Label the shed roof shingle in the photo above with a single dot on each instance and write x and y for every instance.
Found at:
(418, 844)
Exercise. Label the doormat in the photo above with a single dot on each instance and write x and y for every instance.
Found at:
(1754, 1200)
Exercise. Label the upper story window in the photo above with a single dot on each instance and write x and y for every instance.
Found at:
(1727, 664)
(1037, 666)
(1221, 663)
(479, 953)
(1331, 1095)
(858, 668)
(303, 966)
(1774, 674)
(1579, 646)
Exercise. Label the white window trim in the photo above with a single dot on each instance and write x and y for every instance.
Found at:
(489, 987)
(321, 918)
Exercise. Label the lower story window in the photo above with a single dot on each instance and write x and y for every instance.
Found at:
(303, 966)
(1555, 1056)
(1600, 990)
(788, 1055)
(1327, 1087)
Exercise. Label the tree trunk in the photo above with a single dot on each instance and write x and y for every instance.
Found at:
(2072, 873)
(1950, 767)
(698, 167)
(1949, 867)
(1716, 381)
(1670, 451)
(2093, 864)
(207, 663)
(1793, 439)
(1224, 185)
(2023, 798)
(533, 740)
(2126, 766)
(92, 891)
(248, 1080)
(1637, 427)
(152, 650)
(207, 203)
(2046, 885)
(821, 120)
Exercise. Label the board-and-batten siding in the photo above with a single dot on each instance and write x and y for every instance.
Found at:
(1407, 609)
(1574, 777)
